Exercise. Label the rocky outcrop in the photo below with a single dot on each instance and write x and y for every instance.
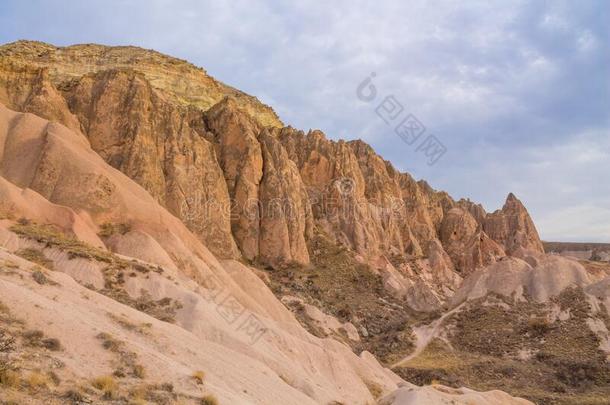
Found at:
(180, 82)
(512, 227)
(222, 163)
(270, 212)
(439, 395)
(361, 199)
(517, 279)
(466, 243)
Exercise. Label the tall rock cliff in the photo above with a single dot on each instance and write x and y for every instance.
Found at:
(247, 186)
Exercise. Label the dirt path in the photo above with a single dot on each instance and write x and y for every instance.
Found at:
(424, 335)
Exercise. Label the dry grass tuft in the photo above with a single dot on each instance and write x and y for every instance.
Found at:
(139, 371)
(35, 338)
(107, 385)
(9, 378)
(108, 229)
(198, 376)
(37, 380)
(35, 256)
(122, 320)
(39, 277)
(209, 400)
(375, 389)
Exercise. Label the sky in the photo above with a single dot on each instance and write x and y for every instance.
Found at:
(516, 93)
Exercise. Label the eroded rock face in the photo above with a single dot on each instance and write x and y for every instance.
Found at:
(466, 243)
(270, 210)
(180, 82)
(359, 198)
(512, 227)
(222, 163)
(286, 217)
(152, 141)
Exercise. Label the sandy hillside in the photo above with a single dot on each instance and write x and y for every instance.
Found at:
(80, 320)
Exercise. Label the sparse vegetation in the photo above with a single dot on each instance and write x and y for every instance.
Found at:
(35, 256)
(164, 309)
(342, 286)
(114, 272)
(36, 338)
(127, 364)
(51, 236)
(488, 339)
(5, 214)
(108, 229)
(128, 325)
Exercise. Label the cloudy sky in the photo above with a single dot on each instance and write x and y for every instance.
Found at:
(518, 92)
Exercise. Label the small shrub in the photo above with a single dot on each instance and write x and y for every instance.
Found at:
(209, 400)
(109, 342)
(139, 371)
(108, 229)
(538, 326)
(198, 376)
(33, 337)
(54, 378)
(52, 344)
(7, 342)
(39, 277)
(74, 396)
(168, 387)
(107, 385)
(119, 373)
(23, 221)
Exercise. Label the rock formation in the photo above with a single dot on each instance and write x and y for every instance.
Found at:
(513, 228)
(180, 203)
(248, 187)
